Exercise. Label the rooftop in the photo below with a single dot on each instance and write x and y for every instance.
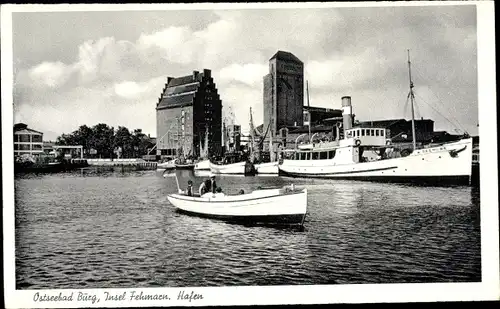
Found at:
(286, 56)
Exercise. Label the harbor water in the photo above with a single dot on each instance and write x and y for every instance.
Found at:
(111, 229)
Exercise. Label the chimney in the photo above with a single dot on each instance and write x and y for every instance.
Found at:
(347, 112)
(207, 73)
(169, 79)
(195, 75)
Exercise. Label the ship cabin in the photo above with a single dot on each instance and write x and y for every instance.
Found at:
(344, 150)
(371, 137)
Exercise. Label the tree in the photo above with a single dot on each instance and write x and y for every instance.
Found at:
(123, 139)
(104, 140)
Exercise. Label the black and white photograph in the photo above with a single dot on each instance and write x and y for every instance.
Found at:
(249, 154)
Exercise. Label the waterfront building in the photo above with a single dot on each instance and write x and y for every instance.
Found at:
(27, 141)
(283, 92)
(189, 106)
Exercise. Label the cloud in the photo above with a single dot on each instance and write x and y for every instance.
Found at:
(251, 74)
(50, 74)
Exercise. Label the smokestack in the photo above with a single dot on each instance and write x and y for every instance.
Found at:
(347, 112)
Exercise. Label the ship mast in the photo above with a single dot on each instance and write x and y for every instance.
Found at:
(273, 118)
(308, 110)
(412, 98)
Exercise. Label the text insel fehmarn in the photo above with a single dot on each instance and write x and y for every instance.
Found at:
(183, 295)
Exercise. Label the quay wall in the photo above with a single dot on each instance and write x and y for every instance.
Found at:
(139, 163)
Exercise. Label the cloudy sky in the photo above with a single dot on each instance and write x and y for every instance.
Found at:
(75, 68)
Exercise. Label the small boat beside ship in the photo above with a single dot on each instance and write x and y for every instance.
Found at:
(237, 168)
(276, 206)
(167, 165)
(203, 165)
(268, 168)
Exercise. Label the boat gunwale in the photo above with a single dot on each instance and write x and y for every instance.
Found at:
(197, 199)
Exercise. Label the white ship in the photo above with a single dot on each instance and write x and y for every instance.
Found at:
(366, 153)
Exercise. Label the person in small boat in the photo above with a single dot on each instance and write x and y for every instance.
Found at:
(208, 186)
(189, 189)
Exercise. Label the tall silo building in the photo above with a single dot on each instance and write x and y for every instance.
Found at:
(283, 92)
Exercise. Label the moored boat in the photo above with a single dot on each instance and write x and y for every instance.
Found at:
(268, 168)
(367, 153)
(232, 168)
(281, 206)
(166, 165)
(203, 165)
(184, 166)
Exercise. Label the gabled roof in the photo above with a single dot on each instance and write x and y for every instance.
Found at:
(286, 56)
(27, 131)
(176, 101)
(181, 81)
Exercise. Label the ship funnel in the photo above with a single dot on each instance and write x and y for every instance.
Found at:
(347, 112)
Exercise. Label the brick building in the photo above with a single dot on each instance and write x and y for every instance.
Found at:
(284, 92)
(188, 106)
(27, 141)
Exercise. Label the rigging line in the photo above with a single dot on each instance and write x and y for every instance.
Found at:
(437, 111)
(441, 103)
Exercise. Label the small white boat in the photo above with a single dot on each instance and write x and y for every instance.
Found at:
(233, 168)
(203, 165)
(269, 168)
(280, 206)
(166, 165)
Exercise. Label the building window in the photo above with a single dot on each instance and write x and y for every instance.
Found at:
(24, 147)
(36, 138)
(24, 138)
(37, 147)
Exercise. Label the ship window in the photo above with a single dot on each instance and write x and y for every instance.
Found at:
(315, 155)
(362, 132)
(357, 132)
(382, 132)
(323, 155)
(377, 132)
(303, 156)
(331, 154)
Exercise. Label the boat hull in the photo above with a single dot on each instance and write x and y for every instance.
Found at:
(269, 168)
(202, 165)
(166, 165)
(184, 166)
(262, 206)
(230, 169)
(445, 164)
